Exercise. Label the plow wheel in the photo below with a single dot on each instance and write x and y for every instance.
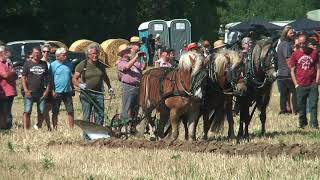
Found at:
(117, 126)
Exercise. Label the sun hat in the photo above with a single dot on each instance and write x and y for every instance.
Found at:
(122, 48)
(135, 39)
(218, 44)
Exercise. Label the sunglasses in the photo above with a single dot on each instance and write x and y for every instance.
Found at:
(45, 51)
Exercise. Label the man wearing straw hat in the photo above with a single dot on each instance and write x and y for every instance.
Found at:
(130, 69)
(89, 77)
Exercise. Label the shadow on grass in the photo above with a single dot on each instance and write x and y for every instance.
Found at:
(274, 134)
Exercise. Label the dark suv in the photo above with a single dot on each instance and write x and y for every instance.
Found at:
(19, 50)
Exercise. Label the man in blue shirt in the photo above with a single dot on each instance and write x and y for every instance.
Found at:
(61, 70)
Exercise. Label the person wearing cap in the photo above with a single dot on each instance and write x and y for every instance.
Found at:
(219, 44)
(90, 76)
(135, 48)
(164, 60)
(157, 47)
(193, 47)
(130, 70)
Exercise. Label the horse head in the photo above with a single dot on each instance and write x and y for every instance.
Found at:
(258, 67)
(191, 61)
(191, 64)
(263, 58)
(224, 61)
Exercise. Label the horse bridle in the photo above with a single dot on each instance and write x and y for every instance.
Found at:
(213, 76)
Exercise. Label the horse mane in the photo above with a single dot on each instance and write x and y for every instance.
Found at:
(186, 63)
(224, 57)
(260, 50)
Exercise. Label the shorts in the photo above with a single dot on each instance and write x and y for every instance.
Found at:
(67, 100)
(35, 97)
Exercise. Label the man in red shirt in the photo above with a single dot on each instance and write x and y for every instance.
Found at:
(8, 90)
(304, 65)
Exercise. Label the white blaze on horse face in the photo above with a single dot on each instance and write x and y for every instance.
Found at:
(198, 93)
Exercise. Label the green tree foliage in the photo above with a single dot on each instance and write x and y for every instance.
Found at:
(240, 10)
(98, 20)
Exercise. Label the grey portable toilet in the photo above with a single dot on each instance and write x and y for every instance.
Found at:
(154, 27)
(180, 33)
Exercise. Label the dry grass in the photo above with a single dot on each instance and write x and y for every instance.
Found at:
(26, 154)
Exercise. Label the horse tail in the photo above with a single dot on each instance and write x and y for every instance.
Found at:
(218, 121)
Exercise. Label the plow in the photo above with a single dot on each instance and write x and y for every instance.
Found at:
(113, 127)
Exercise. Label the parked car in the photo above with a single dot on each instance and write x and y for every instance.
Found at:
(19, 51)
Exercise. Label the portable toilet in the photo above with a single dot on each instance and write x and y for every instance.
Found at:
(154, 27)
(180, 33)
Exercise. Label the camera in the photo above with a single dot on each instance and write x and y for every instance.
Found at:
(141, 53)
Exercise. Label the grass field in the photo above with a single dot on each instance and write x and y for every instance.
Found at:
(28, 155)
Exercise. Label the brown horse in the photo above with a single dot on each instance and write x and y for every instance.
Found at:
(174, 95)
(259, 72)
(218, 101)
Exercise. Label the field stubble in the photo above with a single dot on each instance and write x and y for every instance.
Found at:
(284, 153)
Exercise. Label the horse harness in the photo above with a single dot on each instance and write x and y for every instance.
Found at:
(266, 50)
(195, 83)
(213, 76)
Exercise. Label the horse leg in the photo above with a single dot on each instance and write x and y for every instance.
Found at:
(229, 116)
(247, 122)
(175, 121)
(186, 131)
(263, 120)
(164, 115)
(230, 123)
(193, 122)
(244, 117)
(206, 124)
(141, 128)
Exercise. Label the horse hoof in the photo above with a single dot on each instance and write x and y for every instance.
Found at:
(204, 138)
(231, 136)
(152, 138)
(139, 135)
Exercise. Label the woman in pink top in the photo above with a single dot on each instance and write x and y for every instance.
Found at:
(8, 90)
(164, 60)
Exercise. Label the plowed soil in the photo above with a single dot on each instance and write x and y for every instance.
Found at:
(261, 149)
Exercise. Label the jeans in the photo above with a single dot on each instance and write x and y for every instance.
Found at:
(5, 107)
(129, 99)
(9, 117)
(88, 108)
(286, 87)
(311, 93)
